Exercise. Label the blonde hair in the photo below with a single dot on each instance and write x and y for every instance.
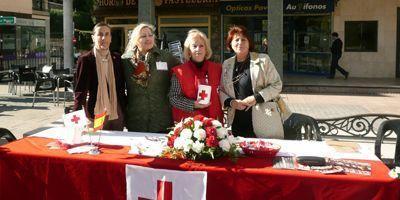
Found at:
(192, 34)
(134, 37)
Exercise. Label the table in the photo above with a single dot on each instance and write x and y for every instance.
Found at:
(29, 170)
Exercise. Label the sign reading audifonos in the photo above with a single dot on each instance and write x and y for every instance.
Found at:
(307, 6)
(289, 7)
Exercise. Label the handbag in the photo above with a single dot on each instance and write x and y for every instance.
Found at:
(283, 108)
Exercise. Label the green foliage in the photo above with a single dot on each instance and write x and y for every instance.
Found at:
(56, 23)
(83, 6)
(82, 18)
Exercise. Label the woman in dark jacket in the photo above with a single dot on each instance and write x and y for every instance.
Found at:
(99, 75)
(147, 74)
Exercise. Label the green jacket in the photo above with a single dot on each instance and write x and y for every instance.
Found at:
(148, 108)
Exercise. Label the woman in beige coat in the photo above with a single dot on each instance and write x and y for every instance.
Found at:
(250, 86)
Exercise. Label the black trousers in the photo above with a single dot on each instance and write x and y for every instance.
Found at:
(335, 65)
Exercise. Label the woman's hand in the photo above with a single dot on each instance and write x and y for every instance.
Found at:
(198, 105)
(249, 102)
(238, 104)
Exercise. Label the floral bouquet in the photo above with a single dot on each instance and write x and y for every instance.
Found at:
(395, 173)
(200, 138)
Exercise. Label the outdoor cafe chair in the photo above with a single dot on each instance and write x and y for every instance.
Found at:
(69, 88)
(6, 136)
(301, 127)
(388, 125)
(44, 84)
(25, 75)
(61, 75)
(47, 72)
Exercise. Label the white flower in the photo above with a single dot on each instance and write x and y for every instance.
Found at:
(187, 145)
(171, 133)
(224, 144)
(200, 134)
(232, 139)
(197, 124)
(187, 120)
(216, 123)
(397, 170)
(186, 133)
(178, 125)
(198, 147)
(179, 143)
(222, 133)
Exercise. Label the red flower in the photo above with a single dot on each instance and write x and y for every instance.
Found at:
(198, 117)
(177, 131)
(188, 124)
(211, 141)
(171, 141)
(211, 131)
(208, 122)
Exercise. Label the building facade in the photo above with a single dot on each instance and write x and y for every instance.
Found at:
(370, 32)
(24, 31)
(369, 47)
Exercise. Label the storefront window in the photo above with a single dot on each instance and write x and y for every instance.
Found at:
(7, 36)
(306, 44)
(361, 36)
(33, 42)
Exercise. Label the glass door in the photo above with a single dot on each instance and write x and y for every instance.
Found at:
(306, 44)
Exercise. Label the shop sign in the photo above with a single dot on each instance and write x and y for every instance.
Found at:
(184, 2)
(307, 6)
(30, 22)
(119, 3)
(116, 3)
(7, 20)
(244, 7)
(289, 7)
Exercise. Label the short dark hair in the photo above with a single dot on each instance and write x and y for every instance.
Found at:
(335, 34)
(238, 29)
(100, 24)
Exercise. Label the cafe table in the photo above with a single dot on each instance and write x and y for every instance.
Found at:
(30, 170)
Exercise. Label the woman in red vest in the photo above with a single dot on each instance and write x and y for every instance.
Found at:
(197, 72)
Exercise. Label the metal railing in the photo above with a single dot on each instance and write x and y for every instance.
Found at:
(355, 126)
(58, 62)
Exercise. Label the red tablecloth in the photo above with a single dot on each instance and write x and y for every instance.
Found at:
(29, 170)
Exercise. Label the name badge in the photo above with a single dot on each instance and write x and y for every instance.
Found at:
(162, 66)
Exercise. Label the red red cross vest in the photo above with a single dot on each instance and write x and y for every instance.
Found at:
(190, 77)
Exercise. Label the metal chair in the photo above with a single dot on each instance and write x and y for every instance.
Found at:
(6, 136)
(42, 84)
(25, 75)
(69, 88)
(299, 126)
(60, 75)
(388, 125)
